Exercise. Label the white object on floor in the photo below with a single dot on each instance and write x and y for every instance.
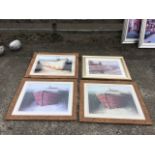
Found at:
(15, 45)
(2, 50)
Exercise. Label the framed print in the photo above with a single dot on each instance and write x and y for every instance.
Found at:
(112, 102)
(105, 67)
(44, 99)
(147, 35)
(131, 30)
(53, 65)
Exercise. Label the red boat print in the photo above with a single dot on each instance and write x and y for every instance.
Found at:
(46, 97)
(113, 99)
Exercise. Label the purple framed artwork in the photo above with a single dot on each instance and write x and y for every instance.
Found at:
(147, 36)
(131, 30)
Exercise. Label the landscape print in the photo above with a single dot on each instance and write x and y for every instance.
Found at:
(150, 31)
(104, 67)
(44, 98)
(134, 26)
(54, 65)
(112, 101)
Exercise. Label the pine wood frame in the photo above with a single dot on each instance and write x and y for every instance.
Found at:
(147, 120)
(52, 76)
(9, 115)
